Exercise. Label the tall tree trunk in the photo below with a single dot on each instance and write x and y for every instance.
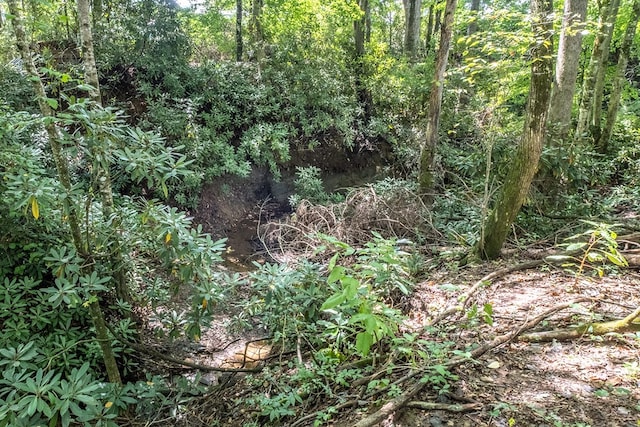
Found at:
(567, 65)
(413, 17)
(595, 126)
(88, 56)
(429, 29)
(473, 24)
(239, 46)
(527, 156)
(102, 167)
(255, 25)
(427, 157)
(623, 60)
(62, 168)
(596, 68)
(360, 32)
(96, 10)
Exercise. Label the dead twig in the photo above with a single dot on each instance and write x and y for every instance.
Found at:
(400, 401)
(464, 299)
(431, 406)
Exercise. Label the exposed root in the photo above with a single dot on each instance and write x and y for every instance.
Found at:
(400, 401)
(602, 328)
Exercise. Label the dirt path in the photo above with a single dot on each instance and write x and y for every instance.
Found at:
(587, 382)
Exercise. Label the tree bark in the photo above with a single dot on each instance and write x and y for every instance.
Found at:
(602, 144)
(473, 24)
(413, 17)
(427, 157)
(595, 71)
(527, 156)
(239, 43)
(101, 159)
(360, 32)
(598, 90)
(429, 29)
(64, 176)
(88, 56)
(256, 28)
(567, 65)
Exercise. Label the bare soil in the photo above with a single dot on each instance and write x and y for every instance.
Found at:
(593, 381)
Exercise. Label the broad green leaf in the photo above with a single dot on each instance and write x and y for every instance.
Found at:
(53, 103)
(617, 259)
(364, 340)
(336, 274)
(333, 301)
(575, 246)
(332, 262)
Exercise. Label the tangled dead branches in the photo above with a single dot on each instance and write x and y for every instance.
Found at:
(393, 212)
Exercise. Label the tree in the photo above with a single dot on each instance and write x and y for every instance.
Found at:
(593, 84)
(474, 8)
(427, 157)
(239, 43)
(413, 17)
(567, 65)
(602, 144)
(64, 176)
(255, 26)
(361, 33)
(525, 162)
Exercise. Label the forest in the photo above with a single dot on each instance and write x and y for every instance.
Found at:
(319, 212)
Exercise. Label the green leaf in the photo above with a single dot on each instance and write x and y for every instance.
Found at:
(332, 262)
(336, 274)
(333, 301)
(617, 259)
(53, 103)
(575, 246)
(364, 340)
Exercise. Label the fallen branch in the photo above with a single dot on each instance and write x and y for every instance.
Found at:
(463, 300)
(183, 362)
(597, 328)
(400, 401)
(430, 406)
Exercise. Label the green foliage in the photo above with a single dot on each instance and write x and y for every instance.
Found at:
(308, 185)
(358, 315)
(595, 248)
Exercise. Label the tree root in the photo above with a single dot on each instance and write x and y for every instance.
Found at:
(602, 328)
(464, 299)
(402, 400)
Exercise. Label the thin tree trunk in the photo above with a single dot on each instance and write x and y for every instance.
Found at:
(88, 56)
(623, 60)
(427, 157)
(360, 38)
(96, 10)
(567, 65)
(102, 169)
(597, 62)
(239, 46)
(429, 30)
(527, 156)
(413, 17)
(473, 24)
(598, 90)
(256, 29)
(62, 168)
